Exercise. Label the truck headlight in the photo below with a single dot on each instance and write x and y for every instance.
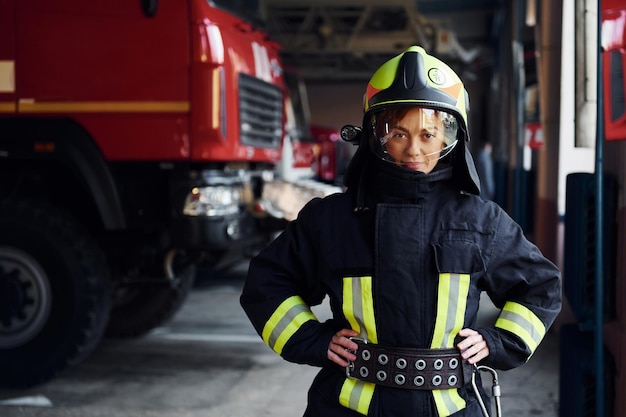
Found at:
(217, 200)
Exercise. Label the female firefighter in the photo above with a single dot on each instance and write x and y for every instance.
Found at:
(403, 256)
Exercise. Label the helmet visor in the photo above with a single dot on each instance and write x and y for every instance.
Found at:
(414, 137)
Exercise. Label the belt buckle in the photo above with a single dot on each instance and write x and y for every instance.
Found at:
(350, 366)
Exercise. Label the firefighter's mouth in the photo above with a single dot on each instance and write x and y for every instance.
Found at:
(414, 164)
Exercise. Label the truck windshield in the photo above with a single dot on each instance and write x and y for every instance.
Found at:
(246, 9)
(300, 107)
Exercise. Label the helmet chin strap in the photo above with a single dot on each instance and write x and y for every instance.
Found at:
(440, 155)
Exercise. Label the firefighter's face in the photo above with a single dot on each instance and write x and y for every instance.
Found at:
(415, 139)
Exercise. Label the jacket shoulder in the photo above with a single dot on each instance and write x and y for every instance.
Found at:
(330, 204)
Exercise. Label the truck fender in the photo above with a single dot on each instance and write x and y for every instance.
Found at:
(69, 143)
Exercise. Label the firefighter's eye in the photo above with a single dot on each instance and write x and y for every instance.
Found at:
(397, 135)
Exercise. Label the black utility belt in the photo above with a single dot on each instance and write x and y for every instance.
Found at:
(419, 369)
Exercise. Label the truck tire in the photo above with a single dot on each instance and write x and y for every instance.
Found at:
(54, 298)
(139, 308)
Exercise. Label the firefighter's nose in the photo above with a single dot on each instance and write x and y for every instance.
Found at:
(413, 148)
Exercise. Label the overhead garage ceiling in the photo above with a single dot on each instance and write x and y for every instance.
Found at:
(349, 39)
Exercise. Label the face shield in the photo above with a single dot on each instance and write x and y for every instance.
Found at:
(415, 138)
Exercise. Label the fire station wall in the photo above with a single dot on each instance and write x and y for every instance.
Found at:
(336, 104)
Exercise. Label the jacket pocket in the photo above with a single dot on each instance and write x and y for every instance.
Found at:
(459, 256)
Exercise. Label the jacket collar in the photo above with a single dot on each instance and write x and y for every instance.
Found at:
(392, 184)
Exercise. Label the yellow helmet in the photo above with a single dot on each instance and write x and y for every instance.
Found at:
(415, 78)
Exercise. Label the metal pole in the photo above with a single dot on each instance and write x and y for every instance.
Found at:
(599, 255)
(519, 196)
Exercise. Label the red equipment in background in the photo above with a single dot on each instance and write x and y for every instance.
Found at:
(326, 162)
(613, 68)
(334, 155)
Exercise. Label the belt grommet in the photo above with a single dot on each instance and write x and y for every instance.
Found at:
(454, 363)
(419, 381)
(438, 364)
(364, 372)
(366, 355)
(420, 364)
(381, 375)
(401, 363)
(383, 359)
(452, 379)
(437, 379)
(400, 379)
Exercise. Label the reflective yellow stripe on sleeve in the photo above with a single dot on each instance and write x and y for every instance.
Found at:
(358, 308)
(356, 395)
(522, 322)
(285, 321)
(451, 305)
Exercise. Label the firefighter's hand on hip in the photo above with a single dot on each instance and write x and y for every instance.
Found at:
(473, 346)
(341, 347)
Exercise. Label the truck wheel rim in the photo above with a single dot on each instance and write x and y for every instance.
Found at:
(25, 297)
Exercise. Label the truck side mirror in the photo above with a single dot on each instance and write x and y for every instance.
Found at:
(149, 7)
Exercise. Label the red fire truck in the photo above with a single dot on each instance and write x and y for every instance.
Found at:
(299, 147)
(334, 154)
(310, 151)
(298, 177)
(614, 66)
(135, 136)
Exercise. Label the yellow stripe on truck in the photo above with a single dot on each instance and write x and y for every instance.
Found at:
(8, 107)
(28, 106)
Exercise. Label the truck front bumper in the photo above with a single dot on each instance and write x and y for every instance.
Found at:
(223, 232)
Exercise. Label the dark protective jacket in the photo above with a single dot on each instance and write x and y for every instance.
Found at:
(407, 272)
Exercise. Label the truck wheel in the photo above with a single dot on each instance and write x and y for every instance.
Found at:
(54, 299)
(139, 308)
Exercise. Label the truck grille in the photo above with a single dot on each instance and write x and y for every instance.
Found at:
(260, 112)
